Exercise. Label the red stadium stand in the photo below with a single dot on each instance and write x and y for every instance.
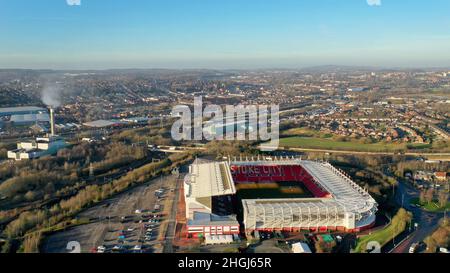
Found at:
(277, 173)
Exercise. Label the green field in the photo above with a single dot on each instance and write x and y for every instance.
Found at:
(432, 206)
(285, 190)
(398, 224)
(381, 236)
(330, 144)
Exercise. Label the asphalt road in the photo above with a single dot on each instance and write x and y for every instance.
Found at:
(427, 221)
(172, 223)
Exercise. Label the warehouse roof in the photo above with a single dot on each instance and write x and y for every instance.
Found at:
(20, 109)
(26, 118)
(101, 123)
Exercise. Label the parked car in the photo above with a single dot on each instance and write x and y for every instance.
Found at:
(414, 247)
(101, 249)
(137, 248)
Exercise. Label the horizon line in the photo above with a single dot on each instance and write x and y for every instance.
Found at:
(239, 69)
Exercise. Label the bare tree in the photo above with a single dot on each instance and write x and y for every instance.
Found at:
(423, 199)
(429, 195)
(443, 198)
(431, 244)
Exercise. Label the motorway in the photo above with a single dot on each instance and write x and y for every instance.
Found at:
(427, 221)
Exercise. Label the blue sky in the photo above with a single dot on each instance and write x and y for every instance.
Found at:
(223, 33)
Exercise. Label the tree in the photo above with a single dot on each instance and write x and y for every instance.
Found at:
(443, 198)
(324, 247)
(431, 244)
(6, 248)
(423, 199)
(429, 195)
(442, 235)
(31, 243)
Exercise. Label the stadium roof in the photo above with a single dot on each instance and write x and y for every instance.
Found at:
(297, 203)
(211, 179)
(343, 189)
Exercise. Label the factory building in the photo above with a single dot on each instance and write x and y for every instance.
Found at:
(39, 147)
(24, 115)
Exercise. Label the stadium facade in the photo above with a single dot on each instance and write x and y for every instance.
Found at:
(336, 202)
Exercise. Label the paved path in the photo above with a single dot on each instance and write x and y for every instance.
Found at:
(172, 223)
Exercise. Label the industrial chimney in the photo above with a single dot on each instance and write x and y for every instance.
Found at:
(52, 121)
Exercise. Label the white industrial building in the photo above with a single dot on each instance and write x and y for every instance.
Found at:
(40, 146)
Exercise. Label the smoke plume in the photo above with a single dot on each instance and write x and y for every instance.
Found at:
(51, 95)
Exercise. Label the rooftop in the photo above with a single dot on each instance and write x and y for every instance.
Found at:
(101, 123)
(210, 179)
(206, 219)
(21, 109)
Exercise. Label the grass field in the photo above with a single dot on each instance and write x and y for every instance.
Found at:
(330, 144)
(432, 206)
(382, 236)
(273, 191)
(398, 224)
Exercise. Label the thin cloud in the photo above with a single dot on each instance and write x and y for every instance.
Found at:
(73, 2)
(374, 2)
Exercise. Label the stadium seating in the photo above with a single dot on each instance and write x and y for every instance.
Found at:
(283, 173)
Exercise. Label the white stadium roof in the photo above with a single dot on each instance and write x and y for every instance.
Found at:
(210, 179)
(345, 192)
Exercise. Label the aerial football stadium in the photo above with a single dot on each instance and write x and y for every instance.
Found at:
(273, 194)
